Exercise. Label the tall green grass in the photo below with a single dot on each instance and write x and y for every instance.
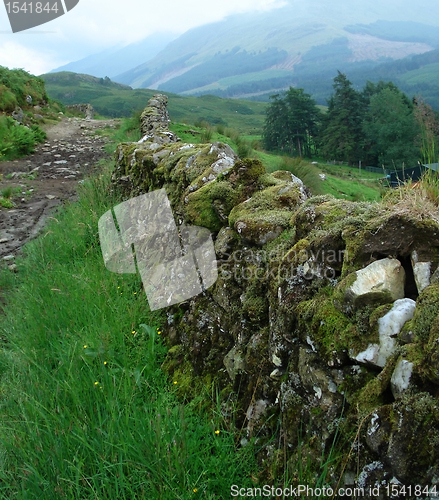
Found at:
(85, 409)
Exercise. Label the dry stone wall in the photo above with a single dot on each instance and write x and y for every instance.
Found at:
(323, 325)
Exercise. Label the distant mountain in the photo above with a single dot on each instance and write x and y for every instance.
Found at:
(300, 44)
(118, 59)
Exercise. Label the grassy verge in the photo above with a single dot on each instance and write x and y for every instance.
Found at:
(85, 410)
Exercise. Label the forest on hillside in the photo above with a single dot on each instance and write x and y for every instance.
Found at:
(378, 126)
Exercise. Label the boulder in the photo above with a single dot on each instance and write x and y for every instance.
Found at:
(379, 283)
(401, 376)
(421, 271)
(86, 109)
(389, 327)
(263, 217)
(18, 115)
(404, 434)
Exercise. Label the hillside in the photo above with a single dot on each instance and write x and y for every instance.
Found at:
(249, 55)
(24, 106)
(115, 100)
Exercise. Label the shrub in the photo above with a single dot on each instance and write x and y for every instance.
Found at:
(18, 140)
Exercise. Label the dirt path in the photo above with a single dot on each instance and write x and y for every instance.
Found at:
(46, 179)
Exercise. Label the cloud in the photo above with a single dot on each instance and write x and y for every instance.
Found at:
(92, 26)
(14, 55)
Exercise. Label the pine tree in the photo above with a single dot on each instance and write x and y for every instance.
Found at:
(292, 123)
(342, 134)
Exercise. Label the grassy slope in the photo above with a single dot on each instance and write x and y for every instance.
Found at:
(19, 89)
(340, 181)
(295, 27)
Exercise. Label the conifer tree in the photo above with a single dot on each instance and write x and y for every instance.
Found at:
(342, 134)
(292, 123)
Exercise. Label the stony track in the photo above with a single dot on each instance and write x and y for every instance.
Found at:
(46, 179)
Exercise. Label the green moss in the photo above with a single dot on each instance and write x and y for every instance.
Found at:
(260, 221)
(425, 323)
(419, 427)
(200, 211)
(122, 155)
(267, 213)
(254, 300)
(336, 224)
(275, 178)
(299, 254)
(222, 190)
(329, 326)
(283, 197)
(334, 331)
(141, 171)
(378, 313)
(200, 166)
(354, 381)
(186, 384)
(248, 170)
(354, 241)
(372, 394)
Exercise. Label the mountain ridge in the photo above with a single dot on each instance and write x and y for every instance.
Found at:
(305, 37)
(255, 54)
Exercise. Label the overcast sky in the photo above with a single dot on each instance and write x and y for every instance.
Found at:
(94, 25)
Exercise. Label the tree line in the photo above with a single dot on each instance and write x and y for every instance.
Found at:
(378, 125)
